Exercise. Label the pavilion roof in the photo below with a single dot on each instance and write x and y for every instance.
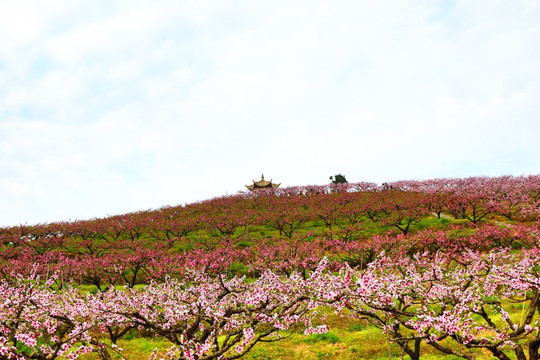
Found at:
(262, 184)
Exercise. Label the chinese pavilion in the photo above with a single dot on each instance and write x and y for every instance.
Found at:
(262, 184)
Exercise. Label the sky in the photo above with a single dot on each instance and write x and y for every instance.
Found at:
(110, 107)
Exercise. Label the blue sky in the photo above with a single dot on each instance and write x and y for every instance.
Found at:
(112, 107)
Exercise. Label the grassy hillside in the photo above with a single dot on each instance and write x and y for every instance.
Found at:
(288, 232)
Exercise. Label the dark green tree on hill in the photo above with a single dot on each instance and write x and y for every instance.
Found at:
(338, 179)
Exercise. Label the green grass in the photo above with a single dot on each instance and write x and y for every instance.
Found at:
(328, 337)
(135, 348)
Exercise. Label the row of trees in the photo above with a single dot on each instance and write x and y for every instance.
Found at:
(453, 304)
(140, 262)
(342, 208)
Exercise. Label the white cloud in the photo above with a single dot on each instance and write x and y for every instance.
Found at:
(114, 107)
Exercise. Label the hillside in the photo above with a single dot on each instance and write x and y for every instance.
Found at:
(315, 240)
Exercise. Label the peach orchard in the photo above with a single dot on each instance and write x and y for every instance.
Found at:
(217, 277)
